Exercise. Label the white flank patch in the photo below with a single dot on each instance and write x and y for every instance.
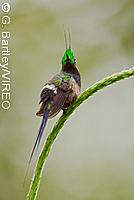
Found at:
(50, 87)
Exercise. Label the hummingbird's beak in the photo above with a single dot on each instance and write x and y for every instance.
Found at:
(68, 60)
(67, 57)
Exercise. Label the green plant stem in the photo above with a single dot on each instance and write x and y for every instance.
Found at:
(32, 194)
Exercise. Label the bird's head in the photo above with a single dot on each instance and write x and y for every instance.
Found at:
(68, 58)
(69, 62)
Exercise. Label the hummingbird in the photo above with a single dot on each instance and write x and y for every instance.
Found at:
(59, 92)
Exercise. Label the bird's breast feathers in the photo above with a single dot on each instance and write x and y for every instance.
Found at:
(74, 86)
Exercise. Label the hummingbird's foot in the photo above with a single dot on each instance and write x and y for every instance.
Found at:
(64, 110)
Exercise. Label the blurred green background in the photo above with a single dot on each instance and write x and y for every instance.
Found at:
(93, 157)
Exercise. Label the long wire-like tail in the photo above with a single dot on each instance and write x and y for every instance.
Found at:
(40, 133)
(69, 38)
(38, 139)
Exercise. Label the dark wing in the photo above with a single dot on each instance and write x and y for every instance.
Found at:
(56, 91)
(46, 93)
(45, 96)
(57, 102)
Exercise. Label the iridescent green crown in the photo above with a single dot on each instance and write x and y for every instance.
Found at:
(68, 55)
